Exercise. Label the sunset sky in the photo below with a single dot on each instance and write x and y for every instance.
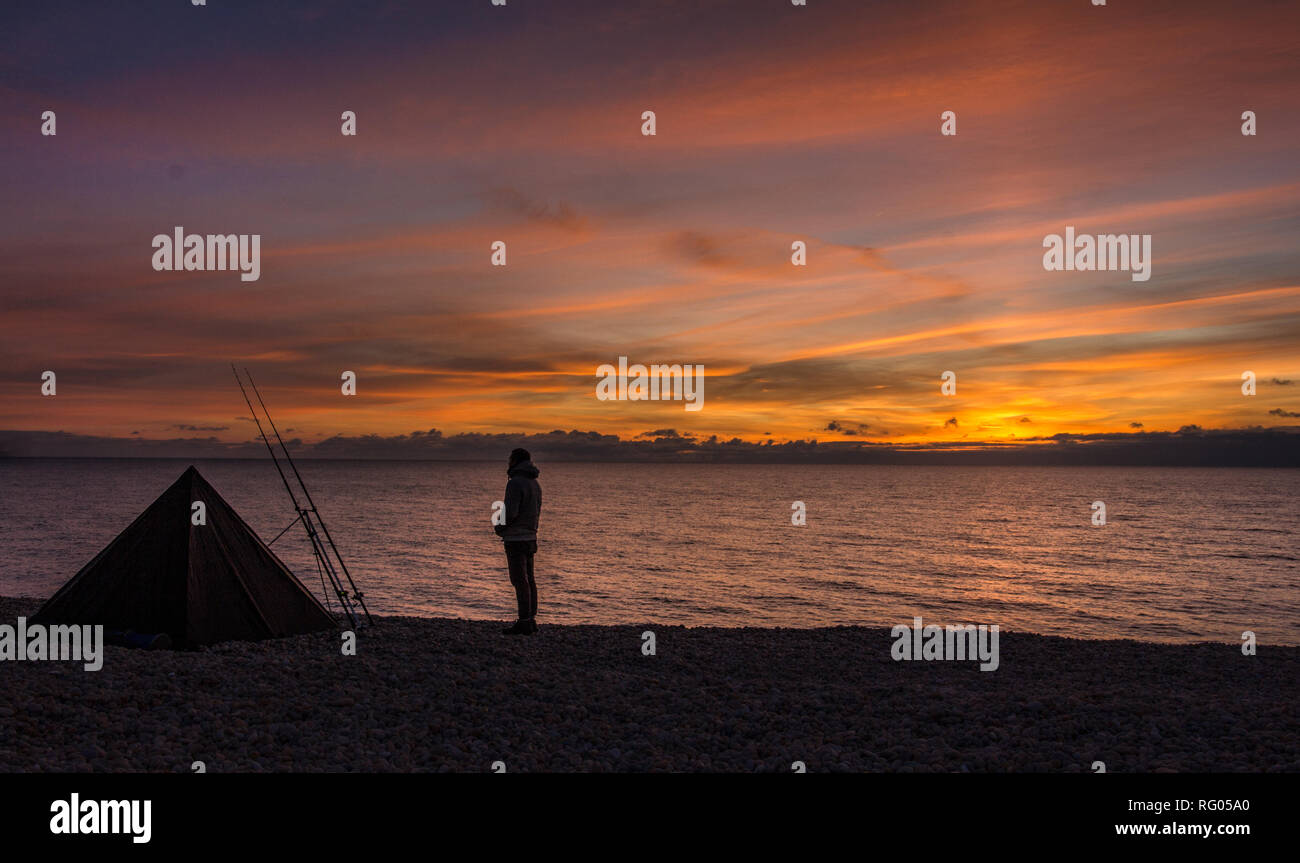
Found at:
(775, 123)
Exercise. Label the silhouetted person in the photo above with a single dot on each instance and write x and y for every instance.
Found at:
(523, 508)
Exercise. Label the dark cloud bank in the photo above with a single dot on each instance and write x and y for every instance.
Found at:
(1189, 446)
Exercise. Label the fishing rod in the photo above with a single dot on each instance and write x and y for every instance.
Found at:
(356, 594)
(269, 449)
(302, 512)
(305, 513)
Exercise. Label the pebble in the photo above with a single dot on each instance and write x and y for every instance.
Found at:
(456, 695)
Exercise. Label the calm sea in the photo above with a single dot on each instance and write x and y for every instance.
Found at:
(1186, 555)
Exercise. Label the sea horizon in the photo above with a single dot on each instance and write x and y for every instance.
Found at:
(703, 545)
(564, 460)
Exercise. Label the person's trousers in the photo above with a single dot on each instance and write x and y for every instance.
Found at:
(519, 558)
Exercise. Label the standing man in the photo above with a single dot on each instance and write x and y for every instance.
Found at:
(523, 508)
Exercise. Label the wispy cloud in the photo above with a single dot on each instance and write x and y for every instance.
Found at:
(775, 125)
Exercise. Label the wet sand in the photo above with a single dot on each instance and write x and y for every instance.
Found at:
(456, 695)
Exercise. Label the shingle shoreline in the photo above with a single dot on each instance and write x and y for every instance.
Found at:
(455, 695)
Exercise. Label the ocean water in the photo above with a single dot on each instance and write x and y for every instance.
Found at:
(1186, 555)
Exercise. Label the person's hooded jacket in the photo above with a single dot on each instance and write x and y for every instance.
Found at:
(523, 503)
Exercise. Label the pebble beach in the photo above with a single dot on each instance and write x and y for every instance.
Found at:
(436, 695)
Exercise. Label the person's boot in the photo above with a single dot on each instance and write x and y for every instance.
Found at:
(520, 628)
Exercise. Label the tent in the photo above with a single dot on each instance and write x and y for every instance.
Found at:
(198, 583)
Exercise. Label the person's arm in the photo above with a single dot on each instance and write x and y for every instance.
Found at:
(511, 507)
(513, 500)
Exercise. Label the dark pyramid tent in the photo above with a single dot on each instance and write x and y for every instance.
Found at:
(199, 584)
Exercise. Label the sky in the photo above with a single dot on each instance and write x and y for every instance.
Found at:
(774, 124)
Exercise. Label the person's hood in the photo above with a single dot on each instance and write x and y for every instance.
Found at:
(524, 468)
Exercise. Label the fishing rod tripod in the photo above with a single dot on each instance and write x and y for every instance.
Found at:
(329, 563)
